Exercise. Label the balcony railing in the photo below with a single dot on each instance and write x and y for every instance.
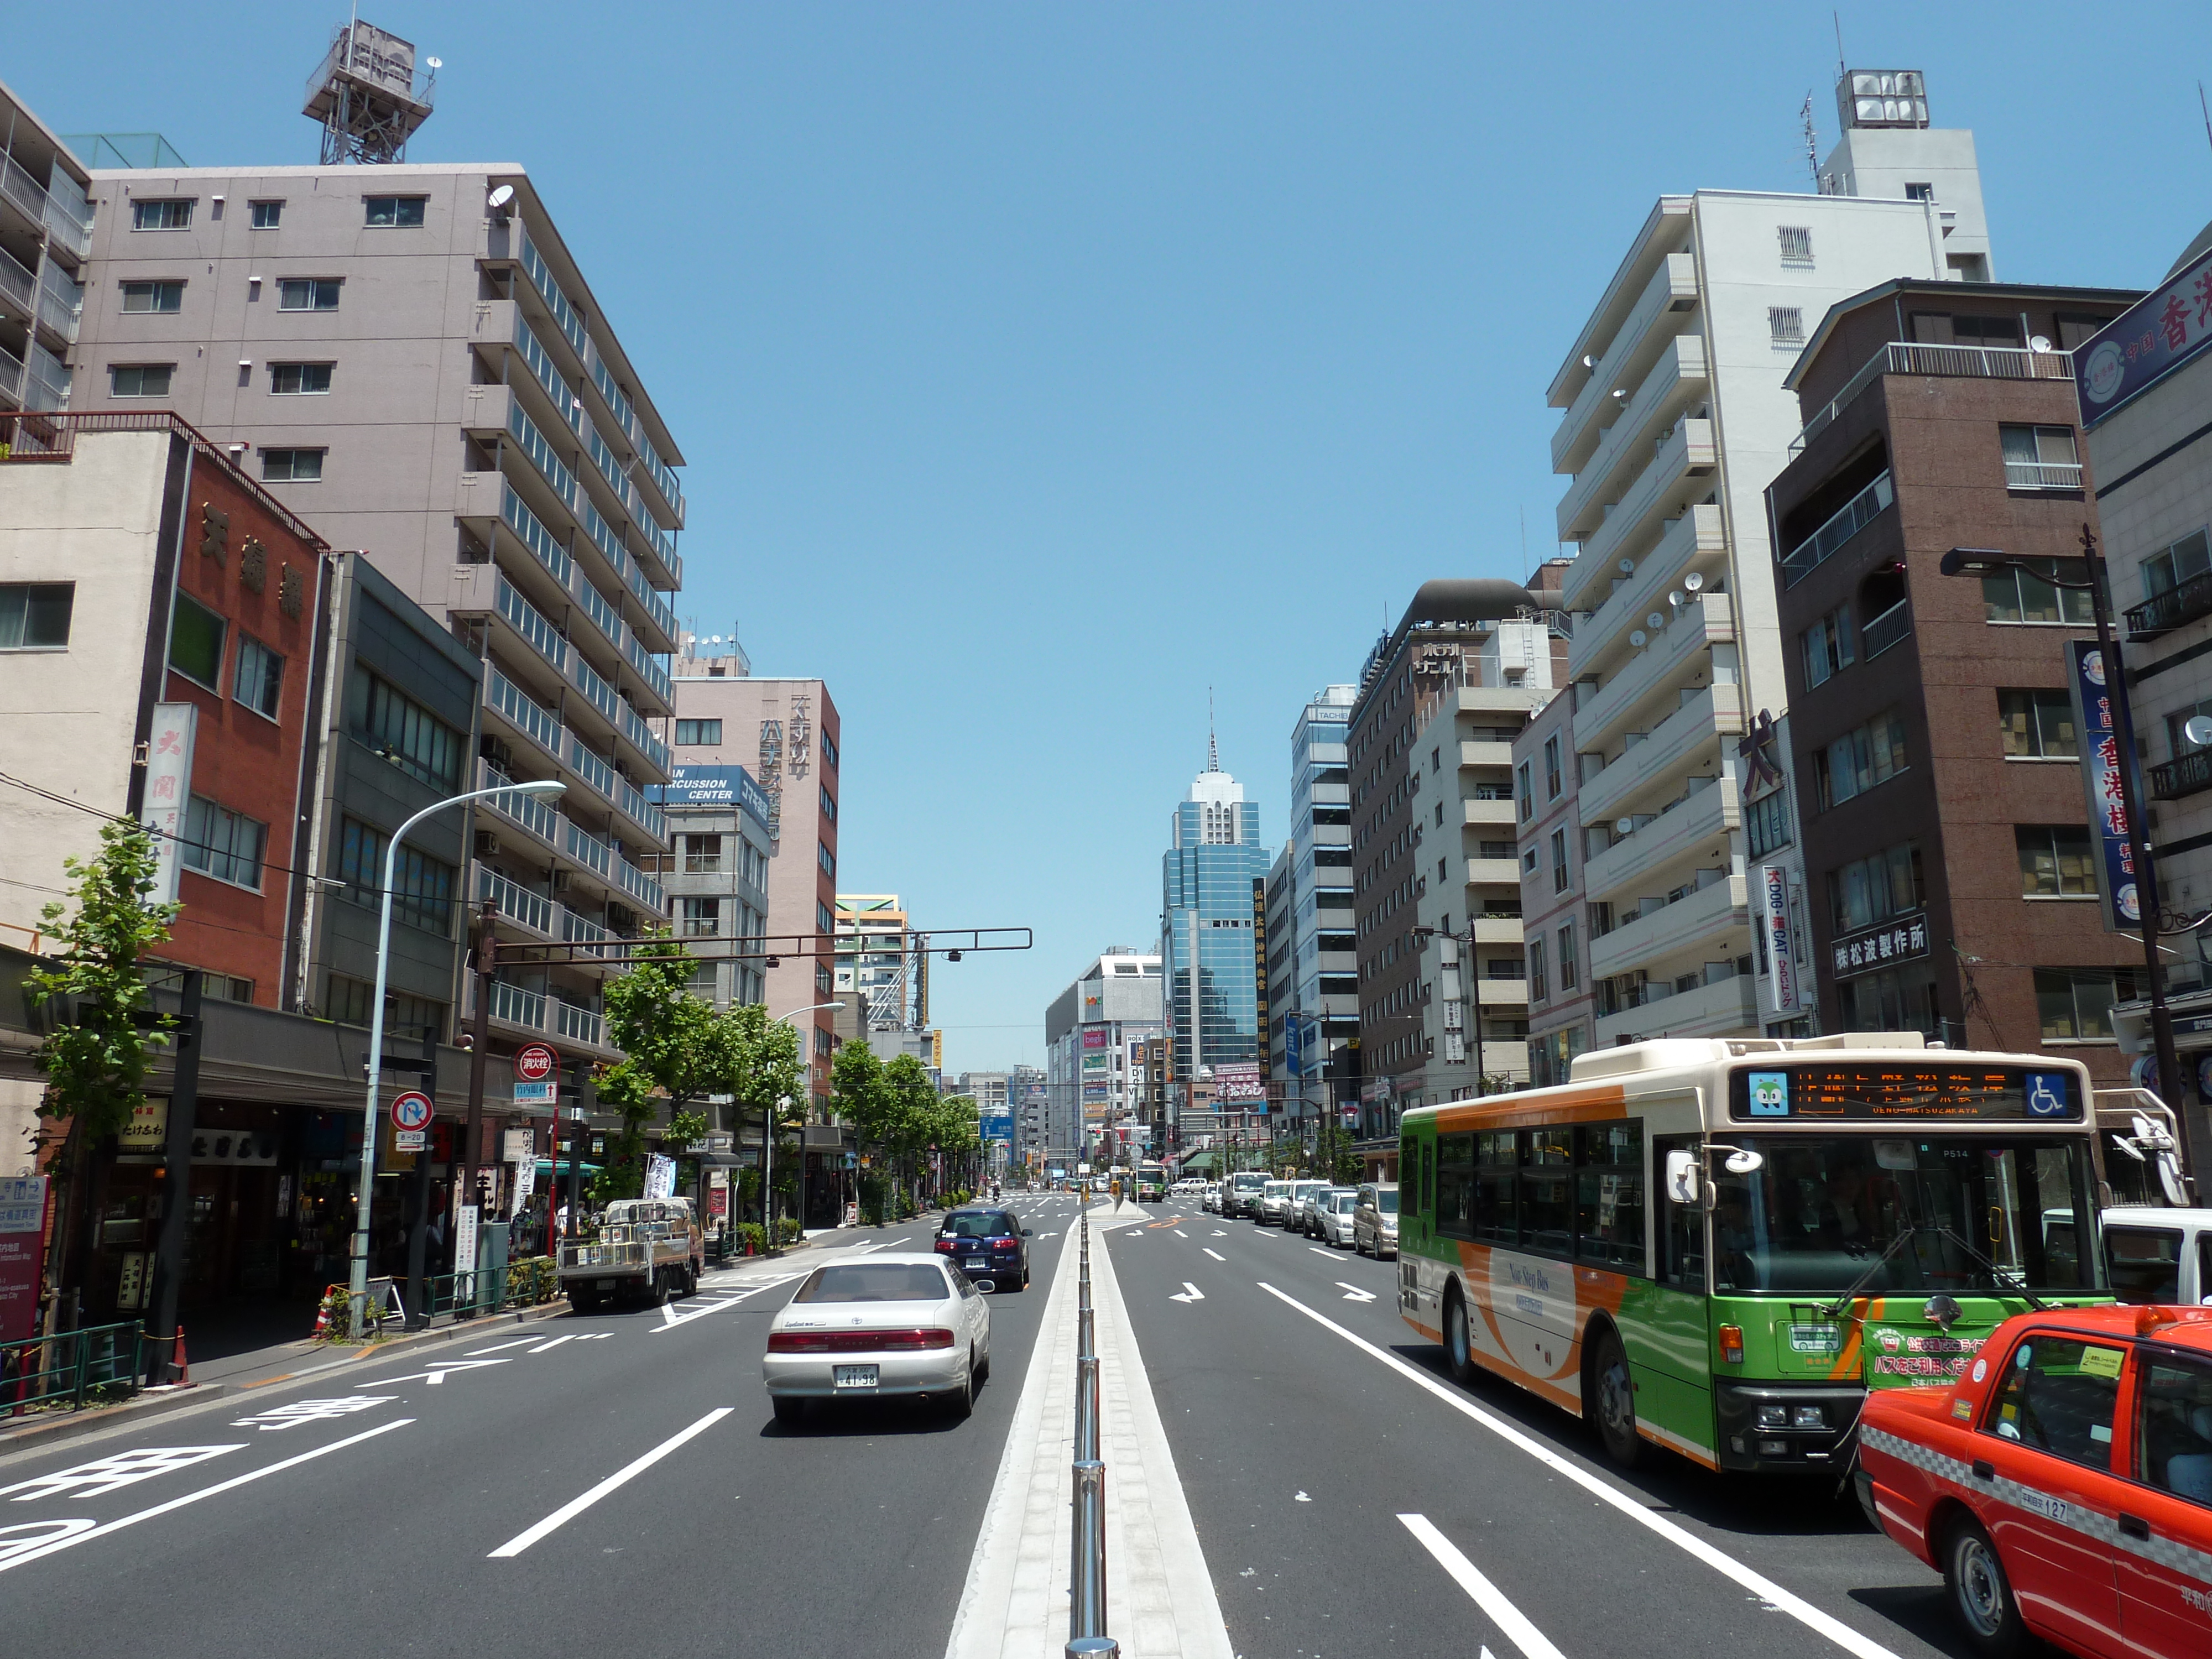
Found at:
(27, 193)
(535, 722)
(49, 387)
(1843, 524)
(641, 812)
(1953, 362)
(639, 885)
(532, 910)
(564, 314)
(543, 456)
(2185, 774)
(541, 364)
(527, 620)
(15, 283)
(653, 674)
(578, 1024)
(531, 532)
(2042, 475)
(11, 376)
(517, 1006)
(577, 930)
(641, 735)
(2182, 603)
(1883, 631)
(529, 812)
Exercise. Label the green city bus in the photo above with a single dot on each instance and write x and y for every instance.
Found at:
(1718, 1245)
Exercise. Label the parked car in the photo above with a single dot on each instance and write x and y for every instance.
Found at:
(990, 1246)
(1274, 1197)
(641, 1249)
(2159, 1255)
(1332, 1215)
(2062, 1484)
(1297, 1208)
(894, 1324)
(1374, 1219)
(1241, 1196)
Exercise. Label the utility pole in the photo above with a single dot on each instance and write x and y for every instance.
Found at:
(418, 1225)
(177, 1182)
(487, 959)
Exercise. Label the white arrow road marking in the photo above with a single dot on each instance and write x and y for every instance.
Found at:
(69, 1540)
(1353, 1293)
(575, 1506)
(1491, 1600)
(1300, 1498)
(1215, 1254)
(437, 1375)
(1219, 1233)
(1191, 1293)
(671, 1319)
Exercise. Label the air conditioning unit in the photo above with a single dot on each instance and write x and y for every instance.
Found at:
(486, 844)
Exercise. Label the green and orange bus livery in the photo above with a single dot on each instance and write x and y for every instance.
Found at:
(1718, 1245)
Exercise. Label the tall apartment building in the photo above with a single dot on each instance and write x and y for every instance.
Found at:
(786, 733)
(1555, 933)
(1673, 419)
(1313, 980)
(1948, 877)
(46, 236)
(409, 358)
(1212, 902)
(1094, 1032)
(1028, 1098)
(1436, 649)
(880, 976)
(716, 874)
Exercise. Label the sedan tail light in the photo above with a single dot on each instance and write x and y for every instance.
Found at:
(858, 1341)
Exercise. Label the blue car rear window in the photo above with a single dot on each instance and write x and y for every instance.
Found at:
(978, 1224)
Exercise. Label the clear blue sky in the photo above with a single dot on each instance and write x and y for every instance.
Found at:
(1039, 367)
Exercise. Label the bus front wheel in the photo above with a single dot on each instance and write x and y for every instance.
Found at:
(1459, 1345)
(1614, 1402)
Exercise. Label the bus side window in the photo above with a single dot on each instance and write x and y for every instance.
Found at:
(1681, 1229)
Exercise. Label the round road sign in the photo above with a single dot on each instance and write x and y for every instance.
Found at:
(535, 1062)
(412, 1110)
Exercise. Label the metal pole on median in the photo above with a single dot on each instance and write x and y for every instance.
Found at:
(1086, 1597)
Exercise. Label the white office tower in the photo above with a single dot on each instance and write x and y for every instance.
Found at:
(1673, 419)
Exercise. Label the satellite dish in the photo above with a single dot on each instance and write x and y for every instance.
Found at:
(1628, 567)
(1656, 619)
(1589, 362)
(502, 197)
(1693, 582)
(1622, 826)
(2040, 343)
(1635, 638)
(2197, 728)
(435, 62)
(1675, 598)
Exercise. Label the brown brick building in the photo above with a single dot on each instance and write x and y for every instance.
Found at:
(1949, 885)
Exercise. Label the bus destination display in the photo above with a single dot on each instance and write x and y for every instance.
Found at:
(1974, 1093)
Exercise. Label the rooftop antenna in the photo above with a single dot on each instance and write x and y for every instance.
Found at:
(1835, 17)
(1527, 570)
(1811, 142)
(2206, 108)
(1213, 749)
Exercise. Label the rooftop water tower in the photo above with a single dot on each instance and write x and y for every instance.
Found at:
(366, 96)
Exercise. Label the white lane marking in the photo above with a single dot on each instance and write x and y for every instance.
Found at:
(672, 1320)
(1215, 1254)
(71, 1539)
(1487, 1597)
(497, 1347)
(575, 1506)
(437, 1374)
(1220, 1233)
(1180, 1234)
(1317, 1250)
(1191, 1293)
(1300, 1498)
(1757, 1582)
(554, 1342)
(1353, 1293)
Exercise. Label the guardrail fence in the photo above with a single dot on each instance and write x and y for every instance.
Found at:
(1086, 1581)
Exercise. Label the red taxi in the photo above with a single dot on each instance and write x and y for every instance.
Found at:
(2064, 1485)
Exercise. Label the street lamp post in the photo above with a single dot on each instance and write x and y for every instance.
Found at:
(1979, 561)
(357, 1280)
(768, 1137)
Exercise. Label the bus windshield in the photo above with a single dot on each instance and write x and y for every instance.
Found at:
(1821, 1211)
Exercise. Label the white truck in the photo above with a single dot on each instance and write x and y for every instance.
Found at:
(641, 1249)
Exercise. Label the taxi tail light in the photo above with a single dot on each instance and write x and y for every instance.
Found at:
(859, 1341)
(1732, 1345)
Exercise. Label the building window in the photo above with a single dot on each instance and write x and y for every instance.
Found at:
(258, 681)
(267, 216)
(1526, 791)
(1920, 192)
(293, 465)
(824, 922)
(2170, 567)
(1796, 244)
(698, 734)
(828, 751)
(1570, 964)
(35, 616)
(1874, 888)
(402, 731)
(1860, 759)
(2040, 457)
(422, 886)
(2055, 862)
(1891, 999)
(1766, 823)
(705, 982)
(394, 212)
(175, 213)
(223, 844)
(2038, 725)
(2075, 1003)
(1529, 861)
(702, 915)
(1559, 873)
(347, 1000)
(139, 379)
(299, 380)
(826, 860)
(306, 293)
(1539, 979)
(702, 855)
(1785, 324)
(829, 805)
(163, 297)
(196, 643)
(1828, 646)
(2023, 596)
(1552, 781)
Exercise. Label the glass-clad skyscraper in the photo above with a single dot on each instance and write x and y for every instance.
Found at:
(1207, 931)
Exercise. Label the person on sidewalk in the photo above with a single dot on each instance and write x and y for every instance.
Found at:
(1116, 1187)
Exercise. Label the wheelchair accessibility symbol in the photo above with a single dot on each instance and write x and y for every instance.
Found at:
(2046, 1094)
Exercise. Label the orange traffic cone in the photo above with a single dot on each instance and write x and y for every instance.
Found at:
(182, 1365)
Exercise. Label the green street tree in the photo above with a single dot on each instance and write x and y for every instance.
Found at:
(764, 1078)
(673, 1048)
(97, 1056)
(915, 1099)
(866, 1102)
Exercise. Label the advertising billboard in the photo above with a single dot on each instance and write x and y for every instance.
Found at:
(2144, 344)
(1241, 1081)
(2100, 779)
(712, 786)
(1096, 1037)
(1774, 888)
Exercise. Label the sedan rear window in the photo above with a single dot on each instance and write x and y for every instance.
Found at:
(978, 1224)
(876, 1282)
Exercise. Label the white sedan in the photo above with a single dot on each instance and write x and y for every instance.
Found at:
(894, 1324)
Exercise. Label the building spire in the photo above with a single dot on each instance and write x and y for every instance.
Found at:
(1213, 749)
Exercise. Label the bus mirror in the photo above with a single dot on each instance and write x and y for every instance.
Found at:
(1743, 1163)
(1682, 1183)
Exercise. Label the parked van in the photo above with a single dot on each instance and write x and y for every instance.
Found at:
(2159, 1257)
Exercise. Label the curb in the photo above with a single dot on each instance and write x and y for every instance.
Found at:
(102, 1417)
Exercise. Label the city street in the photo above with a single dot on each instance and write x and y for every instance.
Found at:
(586, 1481)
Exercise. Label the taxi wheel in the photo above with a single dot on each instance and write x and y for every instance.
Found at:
(1614, 1402)
(1458, 1339)
(1980, 1593)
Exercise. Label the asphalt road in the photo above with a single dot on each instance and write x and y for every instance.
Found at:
(1301, 1454)
(365, 1514)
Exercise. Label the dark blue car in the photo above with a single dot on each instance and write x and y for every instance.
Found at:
(989, 1246)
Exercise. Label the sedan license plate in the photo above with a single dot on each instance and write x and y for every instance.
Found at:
(975, 1264)
(604, 1284)
(854, 1376)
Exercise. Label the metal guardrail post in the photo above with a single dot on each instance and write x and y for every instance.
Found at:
(1086, 1407)
(1086, 1599)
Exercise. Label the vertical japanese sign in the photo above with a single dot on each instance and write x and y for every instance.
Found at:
(660, 1176)
(2100, 782)
(22, 1248)
(169, 787)
(1781, 961)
